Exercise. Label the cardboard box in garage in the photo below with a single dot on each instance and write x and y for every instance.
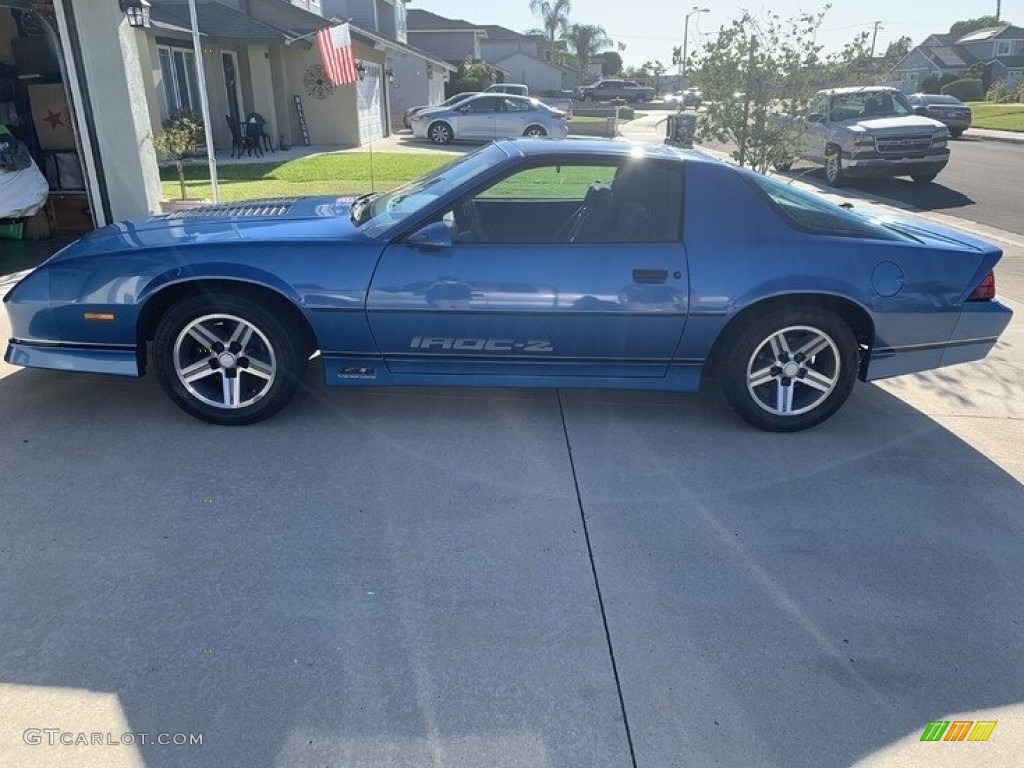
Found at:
(69, 212)
(51, 116)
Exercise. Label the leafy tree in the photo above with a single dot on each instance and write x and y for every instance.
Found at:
(612, 64)
(585, 42)
(757, 76)
(473, 77)
(897, 50)
(182, 131)
(965, 27)
(554, 16)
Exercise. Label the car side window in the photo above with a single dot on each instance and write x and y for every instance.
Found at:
(633, 203)
(488, 104)
(515, 105)
(550, 182)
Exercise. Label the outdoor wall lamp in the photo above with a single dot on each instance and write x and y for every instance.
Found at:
(430, 71)
(360, 69)
(137, 12)
(391, 75)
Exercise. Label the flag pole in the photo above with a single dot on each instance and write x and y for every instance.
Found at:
(204, 103)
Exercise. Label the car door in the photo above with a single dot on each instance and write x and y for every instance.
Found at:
(476, 118)
(600, 291)
(513, 118)
(816, 125)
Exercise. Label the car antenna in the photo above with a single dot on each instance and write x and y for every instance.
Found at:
(372, 187)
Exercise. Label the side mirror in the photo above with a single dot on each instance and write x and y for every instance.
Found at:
(815, 117)
(433, 237)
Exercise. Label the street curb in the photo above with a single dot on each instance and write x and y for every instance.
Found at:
(988, 137)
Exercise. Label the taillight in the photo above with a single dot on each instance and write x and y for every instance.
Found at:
(986, 289)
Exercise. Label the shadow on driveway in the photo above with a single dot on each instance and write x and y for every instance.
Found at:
(401, 578)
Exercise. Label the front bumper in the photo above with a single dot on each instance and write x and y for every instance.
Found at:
(119, 361)
(874, 165)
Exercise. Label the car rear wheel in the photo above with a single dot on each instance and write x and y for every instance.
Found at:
(834, 168)
(789, 369)
(440, 133)
(535, 132)
(956, 133)
(227, 360)
(924, 178)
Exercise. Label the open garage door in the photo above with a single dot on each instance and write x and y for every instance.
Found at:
(370, 101)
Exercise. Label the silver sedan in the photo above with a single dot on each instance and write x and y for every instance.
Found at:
(487, 117)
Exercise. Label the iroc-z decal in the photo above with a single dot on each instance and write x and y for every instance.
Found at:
(480, 345)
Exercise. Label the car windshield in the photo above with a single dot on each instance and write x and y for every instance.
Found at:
(811, 213)
(380, 212)
(868, 104)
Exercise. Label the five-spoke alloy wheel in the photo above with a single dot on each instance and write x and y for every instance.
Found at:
(790, 369)
(226, 360)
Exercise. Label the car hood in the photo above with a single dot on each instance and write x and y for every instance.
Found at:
(302, 218)
(894, 125)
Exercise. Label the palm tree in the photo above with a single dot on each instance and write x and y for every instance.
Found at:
(554, 16)
(586, 41)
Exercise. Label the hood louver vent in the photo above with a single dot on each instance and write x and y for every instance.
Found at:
(246, 210)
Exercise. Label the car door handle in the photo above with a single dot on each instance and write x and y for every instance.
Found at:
(650, 275)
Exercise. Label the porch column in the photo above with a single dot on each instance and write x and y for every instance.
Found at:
(105, 59)
(263, 87)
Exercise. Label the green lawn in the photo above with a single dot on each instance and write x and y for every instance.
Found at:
(327, 175)
(1000, 117)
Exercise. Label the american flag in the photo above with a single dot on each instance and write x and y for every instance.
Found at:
(622, 46)
(335, 44)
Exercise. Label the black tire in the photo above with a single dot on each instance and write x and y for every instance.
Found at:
(196, 335)
(924, 178)
(956, 133)
(440, 133)
(535, 132)
(810, 387)
(834, 175)
(783, 167)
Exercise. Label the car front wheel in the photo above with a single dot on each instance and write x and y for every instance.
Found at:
(834, 168)
(535, 132)
(226, 359)
(789, 369)
(440, 133)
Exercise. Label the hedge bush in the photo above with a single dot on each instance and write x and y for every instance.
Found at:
(967, 89)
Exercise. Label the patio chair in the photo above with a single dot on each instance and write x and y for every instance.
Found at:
(240, 140)
(256, 129)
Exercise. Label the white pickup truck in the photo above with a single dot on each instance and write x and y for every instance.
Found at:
(871, 132)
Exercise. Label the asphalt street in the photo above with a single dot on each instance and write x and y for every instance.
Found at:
(983, 183)
(498, 578)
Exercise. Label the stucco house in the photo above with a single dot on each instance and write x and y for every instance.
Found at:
(453, 40)
(103, 86)
(1000, 50)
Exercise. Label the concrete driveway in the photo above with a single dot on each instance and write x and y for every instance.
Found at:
(492, 578)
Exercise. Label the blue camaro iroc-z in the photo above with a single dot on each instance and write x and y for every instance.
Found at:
(529, 263)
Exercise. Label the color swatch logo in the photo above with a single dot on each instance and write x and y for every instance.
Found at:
(958, 730)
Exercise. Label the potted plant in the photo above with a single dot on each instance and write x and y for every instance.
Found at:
(182, 132)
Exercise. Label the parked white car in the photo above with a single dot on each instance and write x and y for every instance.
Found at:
(487, 117)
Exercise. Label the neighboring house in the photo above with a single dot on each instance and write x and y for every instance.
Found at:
(528, 59)
(1000, 49)
(453, 40)
(411, 77)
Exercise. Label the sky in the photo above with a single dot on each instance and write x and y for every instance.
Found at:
(651, 28)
